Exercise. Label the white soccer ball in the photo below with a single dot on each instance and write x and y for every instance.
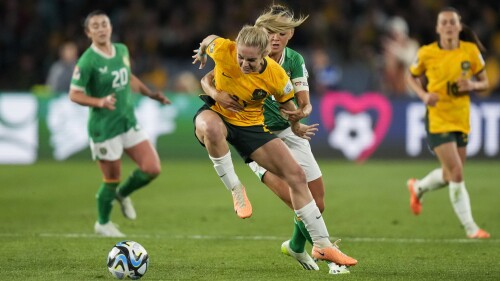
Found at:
(128, 259)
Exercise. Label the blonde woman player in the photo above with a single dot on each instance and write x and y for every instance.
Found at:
(279, 22)
(243, 69)
(453, 68)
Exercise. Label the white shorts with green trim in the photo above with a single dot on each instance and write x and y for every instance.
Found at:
(301, 151)
(112, 149)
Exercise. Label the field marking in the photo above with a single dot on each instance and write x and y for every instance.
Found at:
(258, 237)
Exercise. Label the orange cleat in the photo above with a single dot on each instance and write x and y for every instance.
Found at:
(242, 205)
(480, 234)
(415, 204)
(333, 254)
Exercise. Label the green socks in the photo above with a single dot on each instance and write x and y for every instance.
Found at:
(299, 237)
(135, 181)
(105, 196)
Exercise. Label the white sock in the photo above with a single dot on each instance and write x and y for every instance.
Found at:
(315, 224)
(432, 181)
(225, 169)
(461, 204)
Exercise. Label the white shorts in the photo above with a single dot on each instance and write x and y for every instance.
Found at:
(112, 149)
(301, 151)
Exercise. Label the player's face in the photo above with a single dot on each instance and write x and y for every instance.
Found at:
(279, 41)
(249, 58)
(99, 30)
(448, 25)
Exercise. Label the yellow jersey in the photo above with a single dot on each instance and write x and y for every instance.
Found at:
(442, 69)
(250, 90)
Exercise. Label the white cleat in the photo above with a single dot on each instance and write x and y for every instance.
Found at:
(108, 229)
(303, 258)
(127, 207)
(337, 269)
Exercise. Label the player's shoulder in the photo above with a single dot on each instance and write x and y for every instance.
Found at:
(120, 47)
(293, 55)
(468, 46)
(429, 48)
(273, 67)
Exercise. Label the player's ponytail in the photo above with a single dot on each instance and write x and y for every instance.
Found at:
(472, 36)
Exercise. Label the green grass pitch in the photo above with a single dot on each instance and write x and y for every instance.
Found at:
(187, 225)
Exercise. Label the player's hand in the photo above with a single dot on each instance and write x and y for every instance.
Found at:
(228, 101)
(108, 102)
(293, 115)
(158, 95)
(431, 99)
(198, 57)
(304, 131)
(465, 85)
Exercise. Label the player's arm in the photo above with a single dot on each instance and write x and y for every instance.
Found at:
(79, 96)
(415, 84)
(139, 87)
(201, 53)
(480, 83)
(299, 129)
(304, 109)
(225, 99)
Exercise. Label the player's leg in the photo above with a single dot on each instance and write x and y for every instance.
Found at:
(452, 161)
(276, 158)
(109, 154)
(212, 132)
(432, 181)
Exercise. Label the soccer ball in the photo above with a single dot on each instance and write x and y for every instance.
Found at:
(128, 259)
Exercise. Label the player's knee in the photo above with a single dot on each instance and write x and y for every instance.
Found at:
(153, 170)
(321, 205)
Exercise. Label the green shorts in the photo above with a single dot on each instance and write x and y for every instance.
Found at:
(434, 140)
(244, 139)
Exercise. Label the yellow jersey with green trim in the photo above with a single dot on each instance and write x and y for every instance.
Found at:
(250, 90)
(443, 68)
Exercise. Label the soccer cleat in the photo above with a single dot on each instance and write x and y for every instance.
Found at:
(242, 205)
(303, 258)
(415, 204)
(480, 234)
(334, 268)
(108, 229)
(333, 254)
(127, 207)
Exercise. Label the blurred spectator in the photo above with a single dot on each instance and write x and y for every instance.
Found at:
(60, 73)
(493, 67)
(186, 82)
(399, 50)
(156, 76)
(325, 75)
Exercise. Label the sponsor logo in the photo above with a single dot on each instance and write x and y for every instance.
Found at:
(103, 70)
(224, 74)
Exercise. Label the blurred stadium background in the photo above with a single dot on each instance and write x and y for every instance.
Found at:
(363, 108)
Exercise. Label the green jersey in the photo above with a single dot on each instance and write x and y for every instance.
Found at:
(99, 75)
(295, 68)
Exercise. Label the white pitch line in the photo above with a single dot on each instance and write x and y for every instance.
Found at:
(258, 237)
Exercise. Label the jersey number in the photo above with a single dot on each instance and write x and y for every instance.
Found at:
(120, 77)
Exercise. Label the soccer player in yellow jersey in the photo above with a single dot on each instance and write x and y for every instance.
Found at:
(453, 69)
(243, 69)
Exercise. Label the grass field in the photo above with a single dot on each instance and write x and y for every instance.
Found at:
(185, 221)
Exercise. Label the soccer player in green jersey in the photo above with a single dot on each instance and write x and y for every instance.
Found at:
(279, 22)
(103, 81)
